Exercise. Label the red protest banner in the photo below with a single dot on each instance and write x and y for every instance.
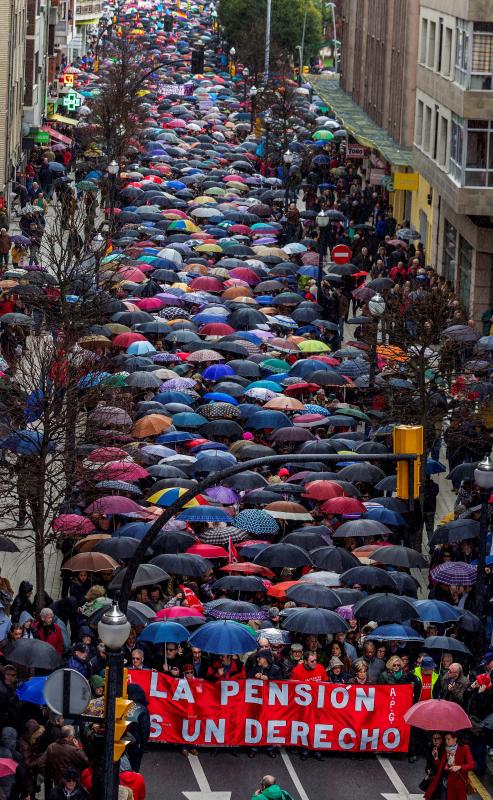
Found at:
(321, 716)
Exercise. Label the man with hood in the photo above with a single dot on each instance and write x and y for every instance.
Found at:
(263, 667)
(69, 788)
(8, 749)
(22, 601)
(270, 790)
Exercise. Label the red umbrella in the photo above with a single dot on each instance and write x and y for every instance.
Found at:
(104, 454)
(205, 284)
(343, 505)
(245, 274)
(216, 329)
(248, 568)
(121, 471)
(7, 767)
(323, 490)
(437, 715)
(243, 230)
(114, 504)
(208, 551)
(150, 304)
(124, 339)
(179, 612)
(301, 387)
(73, 524)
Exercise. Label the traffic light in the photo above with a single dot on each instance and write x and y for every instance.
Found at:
(408, 439)
(122, 705)
(197, 62)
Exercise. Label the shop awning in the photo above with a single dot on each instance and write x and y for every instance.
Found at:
(56, 135)
(87, 21)
(359, 124)
(62, 119)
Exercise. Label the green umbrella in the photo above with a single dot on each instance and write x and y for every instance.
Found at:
(353, 412)
(325, 136)
(275, 365)
(87, 186)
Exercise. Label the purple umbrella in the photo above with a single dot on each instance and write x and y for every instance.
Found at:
(456, 573)
(223, 495)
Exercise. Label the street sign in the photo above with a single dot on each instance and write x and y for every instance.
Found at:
(358, 151)
(341, 254)
(70, 686)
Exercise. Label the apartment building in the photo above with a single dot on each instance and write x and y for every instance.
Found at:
(453, 142)
(12, 50)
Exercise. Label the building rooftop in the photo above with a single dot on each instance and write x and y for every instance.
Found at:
(359, 124)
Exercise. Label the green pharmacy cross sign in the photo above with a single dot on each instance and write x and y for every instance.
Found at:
(71, 101)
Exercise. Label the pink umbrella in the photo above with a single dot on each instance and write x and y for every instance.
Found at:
(104, 454)
(121, 471)
(113, 504)
(150, 304)
(73, 524)
(7, 767)
(437, 715)
(130, 274)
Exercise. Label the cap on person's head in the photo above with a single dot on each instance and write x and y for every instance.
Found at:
(247, 436)
(297, 648)
(335, 662)
(70, 774)
(96, 681)
(427, 663)
(79, 647)
(283, 473)
(273, 612)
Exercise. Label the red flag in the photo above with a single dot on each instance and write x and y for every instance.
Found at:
(191, 598)
(232, 551)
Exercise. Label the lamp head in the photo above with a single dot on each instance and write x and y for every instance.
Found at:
(323, 219)
(483, 474)
(114, 628)
(376, 305)
(113, 167)
(288, 157)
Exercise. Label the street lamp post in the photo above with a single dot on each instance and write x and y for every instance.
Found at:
(246, 74)
(113, 170)
(253, 98)
(267, 123)
(113, 630)
(232, 62)
(376, 307)
(483, 478)
(288, 160)
(323, 220)
(267, 41)
(97, 245)
(332, 7)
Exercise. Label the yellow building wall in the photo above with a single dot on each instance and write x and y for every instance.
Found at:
(420, 203)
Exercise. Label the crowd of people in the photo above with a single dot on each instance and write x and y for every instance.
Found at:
(226, 350)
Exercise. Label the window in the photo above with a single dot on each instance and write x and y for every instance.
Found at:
(463, 32)
(423, 227)
(457, 148)
(427, 129)
(449, 248)
(423, 40)
(430, 60)
(465, 269)
(474, 55)
(435, 134)
(447, 52)
(442, 142)
(418, 134)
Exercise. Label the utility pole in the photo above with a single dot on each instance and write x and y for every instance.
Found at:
(267, 41)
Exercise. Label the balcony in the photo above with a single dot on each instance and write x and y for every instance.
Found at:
(88, 10)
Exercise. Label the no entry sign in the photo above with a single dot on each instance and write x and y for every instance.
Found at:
(341, 254)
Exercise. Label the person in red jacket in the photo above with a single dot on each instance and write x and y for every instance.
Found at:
(48, 631)
(453, 770)
(309, 670)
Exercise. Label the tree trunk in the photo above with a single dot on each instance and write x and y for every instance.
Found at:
(39, 555)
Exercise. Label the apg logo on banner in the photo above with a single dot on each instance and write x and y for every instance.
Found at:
(321, 716)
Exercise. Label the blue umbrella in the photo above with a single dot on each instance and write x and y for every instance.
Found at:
(305, 367)
(437, 611)
(174, 397)
(137, 530)
(187, 419)
(119, 486)
(220, 397)
(205, 514)
(395, 632)
(434, 467)
(55, 166)
(175, 436)
(160, 632)
(386, 516)
(217, 371)
(32, 691)
(25, 443)
(269, 419)
(223, 636)
(34, 406)
(256, 521)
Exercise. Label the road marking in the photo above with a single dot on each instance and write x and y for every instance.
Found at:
(294, 776)
(205, 792)
(478, 787)
(402, 793)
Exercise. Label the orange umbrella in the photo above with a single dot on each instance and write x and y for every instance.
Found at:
(283, 403)
(86, 544)
(279, 589)
(248, 568)
(236, 291)
(152, 425)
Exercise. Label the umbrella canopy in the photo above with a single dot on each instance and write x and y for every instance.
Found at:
(313, 594)
(223, 636)
(32, 653)
(314, 620)
(383, 607)
(437, 715)
(283, 555)
(160, 632)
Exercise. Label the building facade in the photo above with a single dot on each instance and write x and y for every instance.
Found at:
(379, 46)
(12, 50)
(453, 142)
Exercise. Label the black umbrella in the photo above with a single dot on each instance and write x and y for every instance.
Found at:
(469, 621)
(32, 653)
(283, 555)
(119, 548)
(246, 481)
(367, 576)
(183, 564)
(399, 556)
(349, 596)
(314, 595)
(146, 574)
(405, 583)
(384, 607)
(137, 613)
(446, 643)
(380, 283)
(361, 473)
(314, 620)
(361, 527)
(333, 559)
(172, 542)
(239, 583)
(307, 541)
(7, 546)
(458, 530)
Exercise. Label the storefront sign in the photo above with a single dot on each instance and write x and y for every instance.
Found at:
(181, 89)
(358, 151)
(320, 716)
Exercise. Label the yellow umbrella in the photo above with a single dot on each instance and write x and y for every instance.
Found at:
(208, 248)
(202, 199)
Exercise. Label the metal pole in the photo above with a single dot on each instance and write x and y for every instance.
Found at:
(267, 40)
(373, 355)
(321, 253)
(410, 476)
(483, 533)
(302, 48)
(252, 111)
(112, 200)
(336, 64)
(110, 769)
(217, 478)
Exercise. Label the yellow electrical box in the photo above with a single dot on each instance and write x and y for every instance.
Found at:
(408, 439)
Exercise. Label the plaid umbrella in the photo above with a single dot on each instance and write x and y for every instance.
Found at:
(221, 534)
(177, 385)
(234, 609)
(456, 573)
(256, 521)
(219, 411)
